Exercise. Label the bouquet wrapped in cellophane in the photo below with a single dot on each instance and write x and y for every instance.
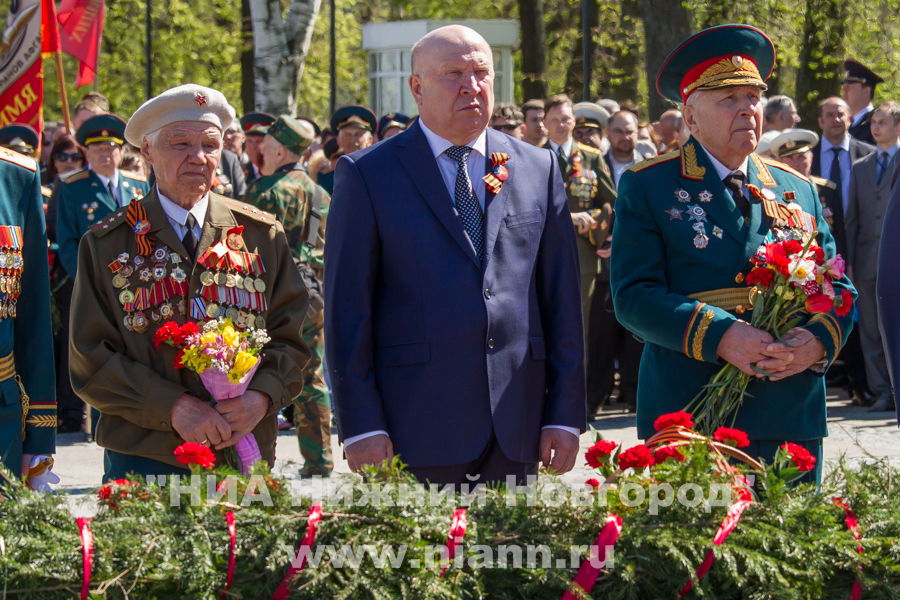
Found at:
(790, 280)
(225, 359)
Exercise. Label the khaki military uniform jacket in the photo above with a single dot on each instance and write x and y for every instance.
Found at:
(134, 385)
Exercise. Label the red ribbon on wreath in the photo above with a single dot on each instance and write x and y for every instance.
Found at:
(312, 525)
(853, 527)
(87, 552)
(229, 518)
(728, 524)
(457, 531)
(588, 573)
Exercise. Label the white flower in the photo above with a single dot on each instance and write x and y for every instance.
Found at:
(801, 270)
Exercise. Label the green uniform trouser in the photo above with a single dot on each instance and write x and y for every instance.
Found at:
(312, 408)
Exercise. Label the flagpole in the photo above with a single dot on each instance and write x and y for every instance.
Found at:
(63, 97)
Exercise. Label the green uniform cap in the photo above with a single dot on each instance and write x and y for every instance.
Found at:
(292, 134)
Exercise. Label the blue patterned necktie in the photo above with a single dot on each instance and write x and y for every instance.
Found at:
(470, 212)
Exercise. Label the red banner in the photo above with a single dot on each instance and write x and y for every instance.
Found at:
(21, 70)
(81, 29)
(49, 29)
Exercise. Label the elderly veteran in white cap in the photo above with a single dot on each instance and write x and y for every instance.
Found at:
(182, 254)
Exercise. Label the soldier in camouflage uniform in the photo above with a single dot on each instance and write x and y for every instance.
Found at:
(285, 190)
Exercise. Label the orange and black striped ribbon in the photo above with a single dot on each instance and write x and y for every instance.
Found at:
(494, 184)
(136, 214)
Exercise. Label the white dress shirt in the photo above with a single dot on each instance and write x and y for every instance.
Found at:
(448, 168)
(859, 116)
(115, 183)
(827, 157)
(178, 215)
(722, 171)
(566, 147)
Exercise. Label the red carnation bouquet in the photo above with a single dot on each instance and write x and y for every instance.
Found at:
(790, 279)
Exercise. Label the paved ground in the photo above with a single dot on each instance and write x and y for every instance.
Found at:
(852, 431)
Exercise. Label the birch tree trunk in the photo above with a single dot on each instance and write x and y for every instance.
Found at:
(280, 46)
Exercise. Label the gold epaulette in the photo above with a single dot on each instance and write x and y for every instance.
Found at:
(783, 167)
(588, 149)
(822, 182)
(249, 210)
(653, 161)
(47, 192)
(135, 176)
(18, 159)
(75, 176)
(110, 222)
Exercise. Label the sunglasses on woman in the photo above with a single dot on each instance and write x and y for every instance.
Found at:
(68, 156)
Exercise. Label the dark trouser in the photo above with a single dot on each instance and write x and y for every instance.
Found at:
(492, 467)
(766, 449)
(69, 406)
(116, 465)
(609, 341)
(855, 363)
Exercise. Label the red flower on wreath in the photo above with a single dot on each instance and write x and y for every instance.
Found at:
(636, 458)
(164, 333)
(184, 332)
(676, 418)
(597, 455)
(197, 454)
(761, 277)
(105, 494)
(593, 483)
(843, 309)
(666, 452)
(801, 456)
(732, 437)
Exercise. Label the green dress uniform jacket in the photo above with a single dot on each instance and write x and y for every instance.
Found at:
(83, 202)
(134, 385)
(656, 267)
(26, 341)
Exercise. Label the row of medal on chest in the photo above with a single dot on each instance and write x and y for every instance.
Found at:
(158, 271)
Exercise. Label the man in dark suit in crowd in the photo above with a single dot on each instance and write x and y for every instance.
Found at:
(455, 336)
(858, 90)
(832, 158)
(870, 190)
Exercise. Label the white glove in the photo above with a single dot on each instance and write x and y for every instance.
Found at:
(40, 475)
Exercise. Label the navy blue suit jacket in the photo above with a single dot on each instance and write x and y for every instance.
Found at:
(423, 342)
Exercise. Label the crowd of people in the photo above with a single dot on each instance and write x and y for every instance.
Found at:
(94, 173)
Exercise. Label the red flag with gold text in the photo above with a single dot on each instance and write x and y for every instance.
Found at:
(81, 28)
(21, 67)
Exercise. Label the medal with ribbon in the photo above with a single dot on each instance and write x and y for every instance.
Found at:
(137, 218)
(499, 173)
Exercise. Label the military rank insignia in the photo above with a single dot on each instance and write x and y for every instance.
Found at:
(499, 173)
(11, 266)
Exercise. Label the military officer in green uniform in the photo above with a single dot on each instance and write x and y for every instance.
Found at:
(148, 264)
(589, 187)
(27, 381)
(254, 125)
(687, 224)
(355, 126)
(20, 138)
(88, 195)
(286, 191)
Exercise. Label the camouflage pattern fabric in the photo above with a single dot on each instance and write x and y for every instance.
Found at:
(287, 194)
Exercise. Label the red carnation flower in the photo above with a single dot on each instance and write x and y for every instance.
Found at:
(197, 454)
(676, 418)
(592, 482)
(184, 332)
(792, 247)
(164, 333)
(666, 452)
(761, 277)
(733, 437)
(177, 361)
(819, 303)
(801, 456)
(597, 455)
(843, 309)
(777, 258)
(819, 254)
(636, 458)
(105, 493)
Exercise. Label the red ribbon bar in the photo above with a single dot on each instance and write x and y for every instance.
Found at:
(588, 573)
(853, 527)
(229, 518)
(728, 524)
(87, 551)
(315, 515)
(457, 532)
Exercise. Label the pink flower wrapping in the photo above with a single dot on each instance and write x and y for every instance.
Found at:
(217, 384)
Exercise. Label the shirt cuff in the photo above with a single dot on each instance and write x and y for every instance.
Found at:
(571, 430)
(357, 438)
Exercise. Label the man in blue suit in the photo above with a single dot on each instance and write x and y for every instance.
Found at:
(453, 309)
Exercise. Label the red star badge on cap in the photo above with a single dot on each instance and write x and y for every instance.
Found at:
(200, 99)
